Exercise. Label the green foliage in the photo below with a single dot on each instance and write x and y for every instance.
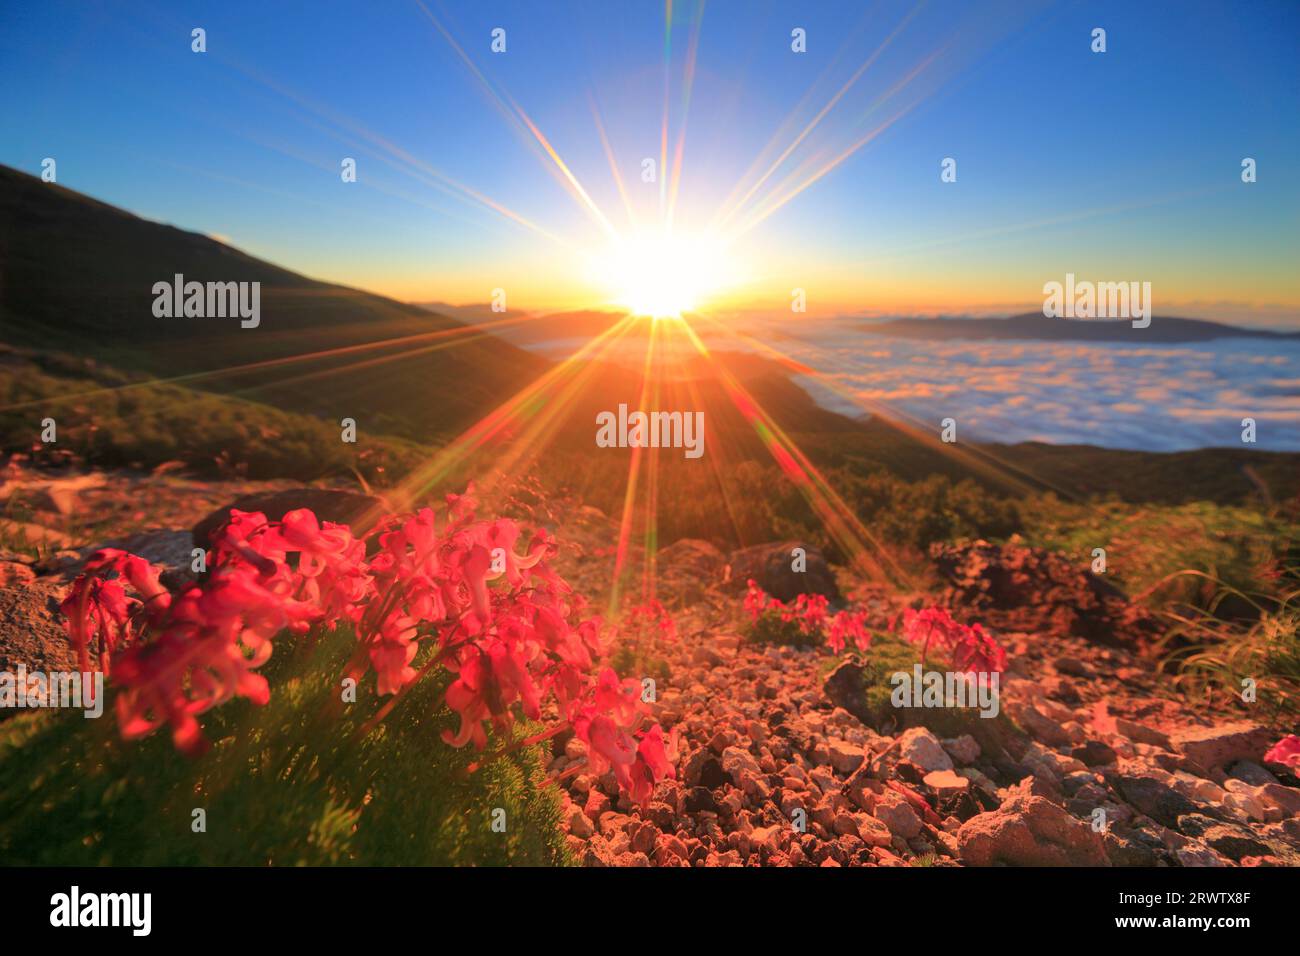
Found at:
(867, 686)
(770, 628)
(285, 784)
(919, 513)
(1210, 654)
(1149, 545)
(865, 689)
(631, 660)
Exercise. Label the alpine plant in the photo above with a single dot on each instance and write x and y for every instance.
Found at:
(810, 612)
(472, 595)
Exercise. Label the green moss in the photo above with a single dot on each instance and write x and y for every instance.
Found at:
(770, 628)
(864, 689)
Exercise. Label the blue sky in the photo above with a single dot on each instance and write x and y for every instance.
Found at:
(1115, 166)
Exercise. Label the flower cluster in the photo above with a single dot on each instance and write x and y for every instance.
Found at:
(652, 616)
(810, 612)
(459, 591)
(1285, 752)
(969, 648)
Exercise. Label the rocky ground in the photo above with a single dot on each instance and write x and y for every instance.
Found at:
(1094, 761)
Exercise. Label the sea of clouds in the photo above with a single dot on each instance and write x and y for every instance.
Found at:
(1118, 395)
(1166, 397)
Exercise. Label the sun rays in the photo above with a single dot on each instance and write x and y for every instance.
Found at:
(656, 268)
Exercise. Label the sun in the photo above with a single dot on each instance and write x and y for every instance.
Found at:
(663, 276)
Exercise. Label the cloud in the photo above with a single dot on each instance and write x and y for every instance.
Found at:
(1162, 398)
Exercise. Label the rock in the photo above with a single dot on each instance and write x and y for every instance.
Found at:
(1197, 788)
(770, 566)
(611, 824)
(341, 507)
(703, 770)
(1072, 666)
(1234, 842)
(1036, 591)
(644, 838)
(579, 823)
(1195, 854)
(1286, 799)
(873, 832)
(897, 814)
(597, 803)
(15, 574)
(172, 550)
(700, 800)
(737, 761)
(1142, 733)
(1130, 849)
(598, 854)
(946, 783)
(769, 837)
(671, 845)
(1195, 824)
(1161, 803)
(844, 824)
(1252, 773)
(1213, 747)
(917, 745)
(1030, 831)
(1039, 725)
(1094, 753)
(844, 687)
(1247, 803)
(964, 750)
(697, 558)
(845, 758)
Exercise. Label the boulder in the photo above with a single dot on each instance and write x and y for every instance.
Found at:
(770, 565)
(1214, 747)
(918, 746)
(341, 507)
(1161, 803)
(1027, 830)
(1016, 588)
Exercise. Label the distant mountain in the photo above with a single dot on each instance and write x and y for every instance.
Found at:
(1034, 326)
(76, 276)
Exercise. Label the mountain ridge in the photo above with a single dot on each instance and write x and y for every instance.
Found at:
(77, 274)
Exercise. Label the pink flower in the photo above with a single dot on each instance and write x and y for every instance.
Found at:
(505, 624)
(756, 600)
(1285, 752)
(655, 759)
(969, 647)
(848, 625)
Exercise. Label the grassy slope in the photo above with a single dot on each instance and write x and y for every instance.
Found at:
(76, 275)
